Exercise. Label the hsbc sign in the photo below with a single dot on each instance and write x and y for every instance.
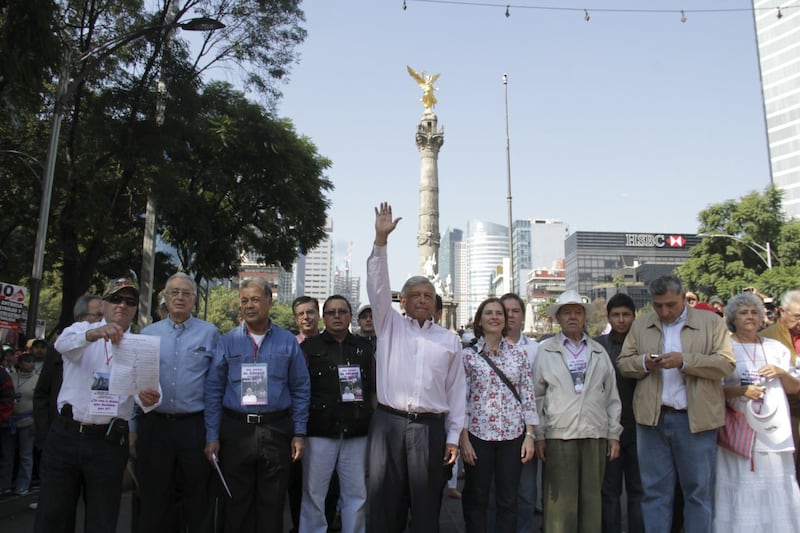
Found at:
(651, 240)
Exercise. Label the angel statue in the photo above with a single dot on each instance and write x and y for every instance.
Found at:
(426, 83)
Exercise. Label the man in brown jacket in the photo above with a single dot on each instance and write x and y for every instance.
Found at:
(679, 355)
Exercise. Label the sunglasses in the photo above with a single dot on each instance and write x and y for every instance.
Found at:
(115, 300)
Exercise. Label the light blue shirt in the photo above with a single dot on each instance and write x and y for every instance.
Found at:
(187, 350)
(673, 392)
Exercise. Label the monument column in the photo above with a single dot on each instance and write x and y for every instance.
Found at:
(429, 140)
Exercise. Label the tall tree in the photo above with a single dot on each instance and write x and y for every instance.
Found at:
(112, 149)
(731, 257)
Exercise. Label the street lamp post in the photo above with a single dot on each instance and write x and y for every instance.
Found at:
(512, 288)
(767, 248)
(65, 90)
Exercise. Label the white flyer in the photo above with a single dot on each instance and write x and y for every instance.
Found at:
(134, 364)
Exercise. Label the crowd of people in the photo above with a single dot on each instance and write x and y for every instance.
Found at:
(690, 410)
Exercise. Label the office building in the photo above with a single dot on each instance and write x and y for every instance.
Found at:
(778, 39)
(487, 246)
(597, 259)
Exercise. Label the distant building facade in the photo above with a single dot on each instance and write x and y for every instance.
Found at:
(778, 41)
(596, 260)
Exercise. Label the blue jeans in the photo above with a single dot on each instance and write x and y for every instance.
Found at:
(526, 497)
(320, 457)
(25, 449)
(668, 449)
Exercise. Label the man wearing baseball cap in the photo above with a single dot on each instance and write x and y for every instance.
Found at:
(87, 445)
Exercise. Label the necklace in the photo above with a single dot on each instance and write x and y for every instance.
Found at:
(752, 358)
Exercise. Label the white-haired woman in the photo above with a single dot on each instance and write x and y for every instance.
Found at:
(758, 493)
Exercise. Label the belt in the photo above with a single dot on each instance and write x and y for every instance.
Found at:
(256, 418)
(90, 430)
(410, 415)
(175, 416)
(670, 409)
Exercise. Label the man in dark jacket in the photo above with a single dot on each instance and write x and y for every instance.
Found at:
(342, 396)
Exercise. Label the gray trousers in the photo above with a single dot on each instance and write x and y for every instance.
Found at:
(405, 470)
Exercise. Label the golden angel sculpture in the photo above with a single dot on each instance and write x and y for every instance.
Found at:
(426, 84)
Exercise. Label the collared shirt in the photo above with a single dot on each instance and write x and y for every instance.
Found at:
(288, 384)
(187, 350)
(418, 368)
(81, 360)
(529, 345)
(673, 392)
(493, 413)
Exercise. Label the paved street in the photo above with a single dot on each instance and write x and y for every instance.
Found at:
(16, 517)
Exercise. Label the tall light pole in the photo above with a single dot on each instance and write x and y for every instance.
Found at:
(767, 248)
(508, 197)
(64, 92)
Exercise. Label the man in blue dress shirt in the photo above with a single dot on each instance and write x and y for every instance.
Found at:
(255, 436)
(169, 442)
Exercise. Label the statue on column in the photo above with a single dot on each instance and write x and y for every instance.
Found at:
(426, 84)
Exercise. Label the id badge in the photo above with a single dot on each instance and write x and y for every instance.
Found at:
(577, 370)
(254, 384)
(102, 402)
(350, 386)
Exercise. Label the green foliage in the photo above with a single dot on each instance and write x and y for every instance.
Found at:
(724, 265)
(223, 308)
(597, 317)
(215, 158)
(282, 315)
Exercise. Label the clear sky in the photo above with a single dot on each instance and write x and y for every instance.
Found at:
(628, 122)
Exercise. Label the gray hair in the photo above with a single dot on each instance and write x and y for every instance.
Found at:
(789, 298)
(740, 300)
(182, 275)
(81, 308)
(414, 281)
(664, 284)
(260, 282)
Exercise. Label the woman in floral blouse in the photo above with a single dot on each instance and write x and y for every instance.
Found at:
(498, 434)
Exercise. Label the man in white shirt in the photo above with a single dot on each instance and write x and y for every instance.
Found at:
(526, 497)
(413, 436)
(87, 445)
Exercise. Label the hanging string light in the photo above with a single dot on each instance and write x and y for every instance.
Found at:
(683, 12)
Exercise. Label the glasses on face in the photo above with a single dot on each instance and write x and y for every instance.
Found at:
(115, 299)
(174, 293)
(336, 312)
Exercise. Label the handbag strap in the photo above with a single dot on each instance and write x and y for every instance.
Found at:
(502, 376)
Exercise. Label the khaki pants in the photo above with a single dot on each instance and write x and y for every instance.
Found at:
(571, 485)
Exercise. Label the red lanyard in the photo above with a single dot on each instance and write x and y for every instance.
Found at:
(575, 354)
(255, 347)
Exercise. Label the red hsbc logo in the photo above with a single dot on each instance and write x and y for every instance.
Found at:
(649, 240)
(676, 241)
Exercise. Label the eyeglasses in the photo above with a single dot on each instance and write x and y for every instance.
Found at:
(336, 312)
(115, 299)
(174, 293)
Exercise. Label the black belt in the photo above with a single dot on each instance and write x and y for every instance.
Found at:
(410, 415)
(175, 416)
(90, 430)
(256, 418)
(670, 409)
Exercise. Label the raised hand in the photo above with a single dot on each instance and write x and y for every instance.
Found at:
(384, 223)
